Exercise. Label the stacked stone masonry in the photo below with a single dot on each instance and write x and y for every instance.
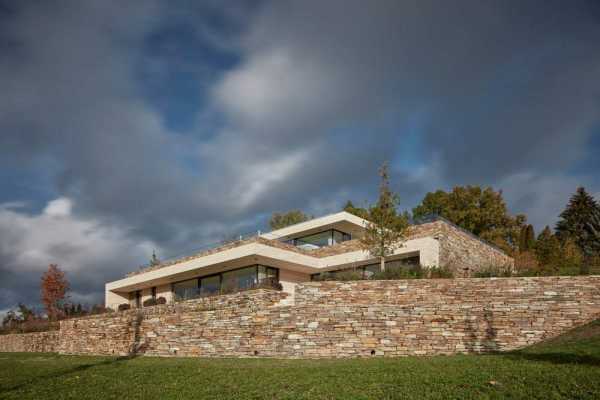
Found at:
(41, 342)
(347, 319)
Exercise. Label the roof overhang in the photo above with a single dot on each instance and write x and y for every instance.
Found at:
(255, 253)
(343, 221)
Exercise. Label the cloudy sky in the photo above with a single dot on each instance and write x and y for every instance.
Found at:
(132, 126)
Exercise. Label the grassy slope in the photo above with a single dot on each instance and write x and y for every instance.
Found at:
(567, 367)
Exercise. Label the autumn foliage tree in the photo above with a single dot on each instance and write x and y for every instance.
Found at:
(54, 287)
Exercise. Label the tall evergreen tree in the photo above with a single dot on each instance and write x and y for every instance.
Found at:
(154, 261)
(580, 221)
(385, 230)
(526, 238)
(547, 248)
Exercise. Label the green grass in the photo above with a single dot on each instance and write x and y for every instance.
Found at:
(565, 368)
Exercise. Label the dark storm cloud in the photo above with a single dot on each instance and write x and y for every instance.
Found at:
(485, 92)
(504, 88)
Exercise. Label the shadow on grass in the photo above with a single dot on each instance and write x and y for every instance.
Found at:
(555, 358)
(59, 374)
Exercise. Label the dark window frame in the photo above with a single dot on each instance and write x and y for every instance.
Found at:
(345, 237)
(138, 298)
(362, 268)
(220, 274)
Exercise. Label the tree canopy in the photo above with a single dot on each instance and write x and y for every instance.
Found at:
(358, 211)
(281, 220)
(481, 211)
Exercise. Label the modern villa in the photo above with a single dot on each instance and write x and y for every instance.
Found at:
(296, 254)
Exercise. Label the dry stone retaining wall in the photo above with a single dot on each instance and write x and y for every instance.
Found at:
(43, 342)
(364, 318)
(348, 319)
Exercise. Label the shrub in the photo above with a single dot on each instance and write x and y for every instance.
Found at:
(494, 271)
(400, 272)
(124, 306)
(323, 276)
(440, 273)
(161, 300)
(349, 275)
(149, 302)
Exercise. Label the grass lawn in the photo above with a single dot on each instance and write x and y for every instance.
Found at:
(567, 367)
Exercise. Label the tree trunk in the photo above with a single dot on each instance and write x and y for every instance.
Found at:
(382, 268)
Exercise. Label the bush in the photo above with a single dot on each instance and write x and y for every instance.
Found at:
(440, 273)
(494, 271)
(400, 272)
(149, 302)
(124, 306)
(161, 300)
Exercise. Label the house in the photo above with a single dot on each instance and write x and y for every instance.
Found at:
(296, 253)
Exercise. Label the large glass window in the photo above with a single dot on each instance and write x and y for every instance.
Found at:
(186, 289)
(210, 285)
(243, 278)
(369, 270)
(267, 275)
(321, 239)
(226, 282)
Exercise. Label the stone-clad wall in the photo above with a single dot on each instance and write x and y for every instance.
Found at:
(347, 319)
(43, 342)
(364, 318)
(126, 332)
(465, 254)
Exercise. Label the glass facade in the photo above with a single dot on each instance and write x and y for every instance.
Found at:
(225, 282)
(321, 239)
(186, 289)
(210, 285)
(369, 270)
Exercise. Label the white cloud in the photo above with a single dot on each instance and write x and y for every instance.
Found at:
(60, 207)
(88, 250)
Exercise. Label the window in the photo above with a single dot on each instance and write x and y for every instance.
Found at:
(371, 269)
(186, 289)
(210, 285)
(154, 292)
(138, 298)
(226, 282)
(243, 278)
(321, 239)
(267, 275)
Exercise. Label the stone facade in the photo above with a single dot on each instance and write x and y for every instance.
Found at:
(465, 254)
(349, 319)
(42, 342)
(339, 319)
(460, 251)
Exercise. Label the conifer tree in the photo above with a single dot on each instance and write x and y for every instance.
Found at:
(580, 221)
(547, 249)
(385, 230)
(526, 238)
(154, 261)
